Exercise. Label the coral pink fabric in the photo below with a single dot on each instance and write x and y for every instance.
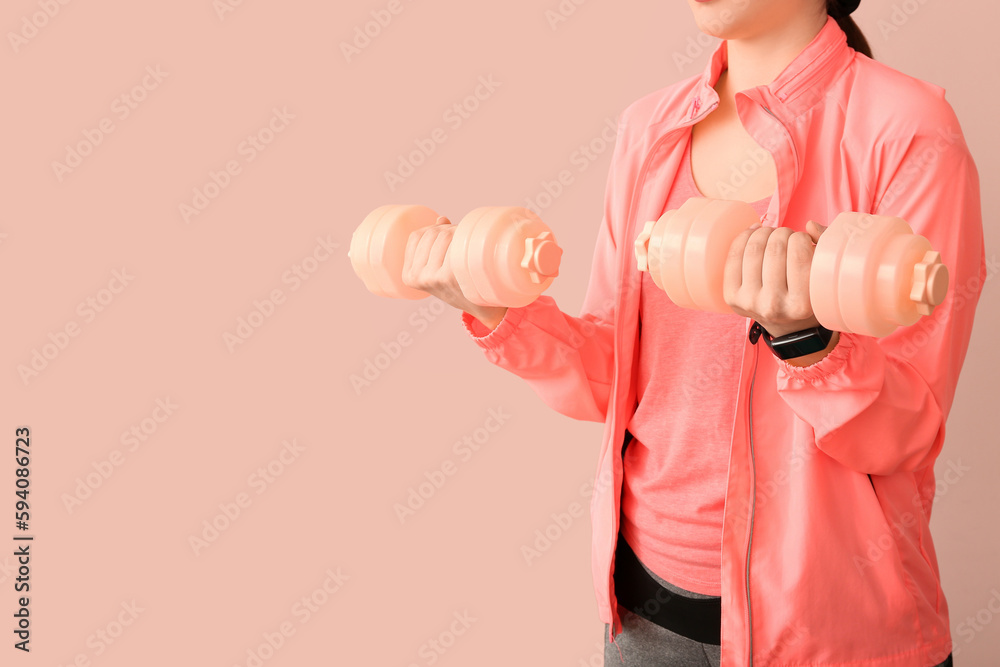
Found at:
(674, 486)
(827, 553)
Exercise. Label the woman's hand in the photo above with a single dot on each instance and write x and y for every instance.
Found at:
(425, 268)
(766, 277)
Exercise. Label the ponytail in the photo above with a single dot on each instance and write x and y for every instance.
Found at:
(841, 11)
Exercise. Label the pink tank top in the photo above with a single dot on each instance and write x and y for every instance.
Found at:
(673, 490)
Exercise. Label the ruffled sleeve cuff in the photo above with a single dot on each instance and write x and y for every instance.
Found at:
(491, 340)
(833, 362)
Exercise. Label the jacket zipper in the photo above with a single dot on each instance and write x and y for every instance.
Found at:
(754, 335)
(753, 489)
(790, 88)
(637, 188)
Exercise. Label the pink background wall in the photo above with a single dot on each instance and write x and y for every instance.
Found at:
(114, 515)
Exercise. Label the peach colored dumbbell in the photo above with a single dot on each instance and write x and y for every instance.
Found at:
(870, 274)
(501, 256)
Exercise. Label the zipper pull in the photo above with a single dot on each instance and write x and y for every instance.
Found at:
(755, 331)
(695, 106)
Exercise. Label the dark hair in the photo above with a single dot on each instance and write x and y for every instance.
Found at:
(841, 11)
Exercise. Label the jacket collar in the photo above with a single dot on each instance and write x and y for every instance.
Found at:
(803, 82)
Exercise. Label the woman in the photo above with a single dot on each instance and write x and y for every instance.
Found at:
(752, 509)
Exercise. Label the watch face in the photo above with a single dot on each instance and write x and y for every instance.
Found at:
(800, 343)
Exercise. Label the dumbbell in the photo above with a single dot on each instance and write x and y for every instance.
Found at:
(501, 256)
(869, 275)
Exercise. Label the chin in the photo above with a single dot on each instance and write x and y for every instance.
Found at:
(725, 19)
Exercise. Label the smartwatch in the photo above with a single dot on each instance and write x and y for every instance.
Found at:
(795, 344)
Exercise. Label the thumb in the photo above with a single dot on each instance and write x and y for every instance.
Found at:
(815, 230)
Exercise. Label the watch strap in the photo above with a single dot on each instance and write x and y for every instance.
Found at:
(795, 344)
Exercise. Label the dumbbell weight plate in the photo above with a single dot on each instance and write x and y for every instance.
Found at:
(862, 274)
(507, 231)
(359, 251)
(484, 253)
(862, 259)
(706, 250)
(894, 277)
(838, 274)
(866, 237)
(666, 250)
(824, 285)
(493, 243)
(459, 256)
(378, 248)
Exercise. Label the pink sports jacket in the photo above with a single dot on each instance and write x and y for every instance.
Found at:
(827, 558)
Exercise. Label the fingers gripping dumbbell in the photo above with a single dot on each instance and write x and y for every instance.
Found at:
(869, 273)
(501, 256)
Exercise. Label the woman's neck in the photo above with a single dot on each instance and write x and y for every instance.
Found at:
(758, 60)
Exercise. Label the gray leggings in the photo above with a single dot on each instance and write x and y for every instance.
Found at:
(643, 643)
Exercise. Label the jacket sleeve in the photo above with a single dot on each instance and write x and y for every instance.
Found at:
(879, 405)
(568, 361)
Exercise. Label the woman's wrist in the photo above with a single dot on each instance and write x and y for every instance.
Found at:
(490, 317)
(810, 359)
